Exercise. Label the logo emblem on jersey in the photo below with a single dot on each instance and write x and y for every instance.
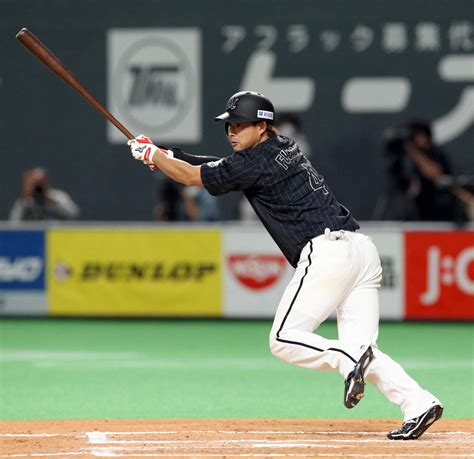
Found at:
(215, 163)
(257, 272)
(232, 104)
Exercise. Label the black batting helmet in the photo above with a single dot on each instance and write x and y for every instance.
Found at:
(247, 107)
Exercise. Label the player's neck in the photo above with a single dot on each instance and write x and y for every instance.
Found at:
(263, 138)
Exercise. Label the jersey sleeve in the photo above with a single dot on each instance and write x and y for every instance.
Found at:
(237, 172)
(195, 160)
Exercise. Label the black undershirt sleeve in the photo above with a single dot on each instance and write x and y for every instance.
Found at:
(194, 160)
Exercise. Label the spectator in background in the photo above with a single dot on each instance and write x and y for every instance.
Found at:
(290, 125)
(420, 179)
(176, 202)
(169, 206)
(200, 205)
(39, 201)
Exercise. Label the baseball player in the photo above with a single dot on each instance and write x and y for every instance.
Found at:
(336, 268)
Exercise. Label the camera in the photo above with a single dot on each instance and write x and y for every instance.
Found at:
(39, 193)
(394, 140)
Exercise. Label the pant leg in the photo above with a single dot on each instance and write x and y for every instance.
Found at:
(358, 313)
(324, 276)
(358, 318)
(399, 388)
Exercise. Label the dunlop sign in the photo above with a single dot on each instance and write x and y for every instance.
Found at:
(134, 272)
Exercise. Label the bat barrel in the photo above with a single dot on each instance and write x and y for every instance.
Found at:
(33, 44)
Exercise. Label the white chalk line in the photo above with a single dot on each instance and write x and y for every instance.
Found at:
(289, 444)
(72, 453)
(99, 454)
(98, 435)
(221, 446)
(165, 442)
(167, 448)
(243, 442)
(313, 454)
(104, 454)
(137, 448)
(37, 435)
(275, 432)
(100, 438)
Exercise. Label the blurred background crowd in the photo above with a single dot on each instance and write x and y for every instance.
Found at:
(420, 185)
(380, 99)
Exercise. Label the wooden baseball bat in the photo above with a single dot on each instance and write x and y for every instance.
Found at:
(27, 39)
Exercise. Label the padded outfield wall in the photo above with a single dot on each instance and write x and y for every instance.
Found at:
(232, 271)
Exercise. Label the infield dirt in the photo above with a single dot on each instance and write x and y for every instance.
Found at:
(226, 438)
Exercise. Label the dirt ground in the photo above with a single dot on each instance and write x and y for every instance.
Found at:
(226, 438)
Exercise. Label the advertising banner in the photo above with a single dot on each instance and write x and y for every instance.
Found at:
(256, 273)
(154, 82)
(390, 248)
(128, 272)
(22, 277)
(439, 275)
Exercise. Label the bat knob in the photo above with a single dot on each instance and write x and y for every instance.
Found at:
(21, 32)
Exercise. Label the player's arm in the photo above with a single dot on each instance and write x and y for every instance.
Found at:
(232, 173)
(176, 169)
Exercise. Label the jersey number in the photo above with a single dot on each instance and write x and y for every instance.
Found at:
(316, 181)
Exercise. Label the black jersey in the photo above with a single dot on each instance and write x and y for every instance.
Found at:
(288, 195)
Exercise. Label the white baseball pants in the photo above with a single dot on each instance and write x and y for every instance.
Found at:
(341, 271)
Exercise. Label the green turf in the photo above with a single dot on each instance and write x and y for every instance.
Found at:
(79, 369)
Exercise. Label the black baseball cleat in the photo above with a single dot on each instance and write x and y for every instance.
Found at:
(355, 382)
(414, 428)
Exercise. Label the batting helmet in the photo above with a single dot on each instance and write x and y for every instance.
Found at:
(247, 107)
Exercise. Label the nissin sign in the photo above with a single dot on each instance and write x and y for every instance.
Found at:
(22, 260)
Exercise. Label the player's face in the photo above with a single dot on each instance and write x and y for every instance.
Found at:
(245, 135)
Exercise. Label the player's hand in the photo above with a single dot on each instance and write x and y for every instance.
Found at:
(146, 154)
(142, 149)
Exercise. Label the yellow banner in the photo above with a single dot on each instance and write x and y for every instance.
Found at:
(128, 272)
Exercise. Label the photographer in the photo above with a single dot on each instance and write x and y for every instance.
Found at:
(39, 201)
(416, 169)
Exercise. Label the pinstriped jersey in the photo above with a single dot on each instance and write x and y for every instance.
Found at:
(288, 195)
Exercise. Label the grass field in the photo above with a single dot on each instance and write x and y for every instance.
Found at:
(96, 369)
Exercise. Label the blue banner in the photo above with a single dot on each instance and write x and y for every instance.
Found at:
(22, 260)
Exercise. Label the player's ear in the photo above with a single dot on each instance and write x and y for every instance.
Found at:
(262, 127)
